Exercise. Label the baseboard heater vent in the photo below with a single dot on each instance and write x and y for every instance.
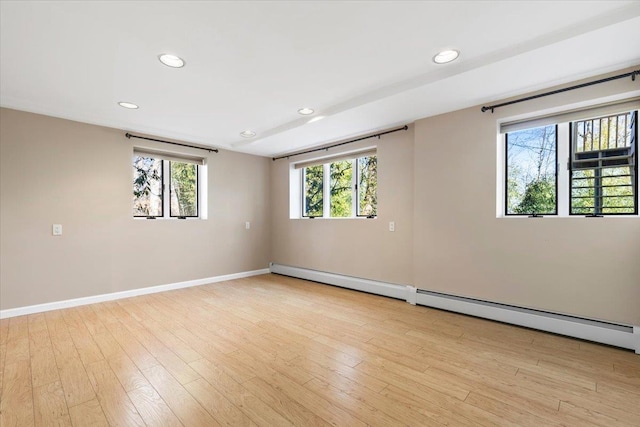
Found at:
(624, 336)
(577, 327)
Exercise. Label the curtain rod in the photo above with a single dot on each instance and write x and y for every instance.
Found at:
(128, 135)
(631, 74)
(378, 135)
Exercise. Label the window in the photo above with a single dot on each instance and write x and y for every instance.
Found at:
(531, 184)
(343, 188)
(166, 186)
(581, 162)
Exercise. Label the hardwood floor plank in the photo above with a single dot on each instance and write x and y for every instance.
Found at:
(257, 410)
(220, 408)
(50, 405)
(88, 413)
(282, 403)
(44, 369)
(591, 417)
(75, 381)
(16, 406)
(183, 405)
(451, 413)
(152, 408)
(363, 406)
(505, 411)
(117, 407)
(127, 372)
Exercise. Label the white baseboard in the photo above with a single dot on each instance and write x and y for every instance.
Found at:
(406, 293)
(624, 336)
(56, 305)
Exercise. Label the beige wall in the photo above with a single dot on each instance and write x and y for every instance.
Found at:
(355, 247)
(79, 175)
(581, 266)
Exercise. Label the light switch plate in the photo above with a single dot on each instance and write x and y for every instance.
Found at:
(56, 229)
(247, 225)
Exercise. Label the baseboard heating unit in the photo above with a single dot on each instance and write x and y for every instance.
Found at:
(624, 336)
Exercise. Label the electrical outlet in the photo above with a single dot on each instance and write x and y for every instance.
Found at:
(392, 226)
(247, 225)
(56, 229)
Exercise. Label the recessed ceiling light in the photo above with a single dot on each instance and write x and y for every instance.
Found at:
(128, 105)
(171, 60)
(305, 111)
(247, 134)
(316, 118)
(445, 56)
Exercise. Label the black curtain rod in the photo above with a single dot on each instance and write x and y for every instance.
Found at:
(405, 127)
(631, 74)
(128, 135)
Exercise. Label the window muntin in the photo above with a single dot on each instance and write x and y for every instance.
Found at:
(147, 186)
(183, 189)
(531, 184)
(367, 179)
(344, 188)
(604, 165)
(313, 185)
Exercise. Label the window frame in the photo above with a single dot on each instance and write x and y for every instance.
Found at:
(572, 124)
(166, 159)
(505, 187)
(564, 120)
(326, 187)
(197, 215)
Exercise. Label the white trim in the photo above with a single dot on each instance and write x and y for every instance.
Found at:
(56, 305)
(624, 336)
(391, 290)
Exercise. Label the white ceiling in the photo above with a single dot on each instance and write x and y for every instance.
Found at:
(251, 65)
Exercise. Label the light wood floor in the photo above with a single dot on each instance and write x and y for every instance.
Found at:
(271, 351)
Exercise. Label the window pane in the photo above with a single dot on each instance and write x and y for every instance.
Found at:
(313, 191)
(184, 189)
(341, 193)
(147, 186)
(531, 171)
(602, 178)
(368, 186)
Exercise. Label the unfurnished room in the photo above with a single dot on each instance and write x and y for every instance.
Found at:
(304, 213)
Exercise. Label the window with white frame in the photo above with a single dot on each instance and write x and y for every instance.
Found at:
(166, 186)
(599, 176)
(343, 187)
